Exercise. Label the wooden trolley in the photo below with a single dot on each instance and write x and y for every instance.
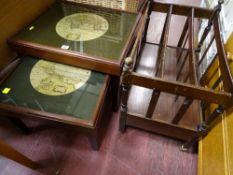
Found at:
(146, 87)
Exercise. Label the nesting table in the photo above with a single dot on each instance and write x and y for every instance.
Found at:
(69, 64)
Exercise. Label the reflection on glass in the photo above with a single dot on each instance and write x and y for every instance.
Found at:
(80, 103)
(108, 45)
(127, 5)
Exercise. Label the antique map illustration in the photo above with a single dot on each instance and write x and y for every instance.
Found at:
(56, 79)
(82, 27)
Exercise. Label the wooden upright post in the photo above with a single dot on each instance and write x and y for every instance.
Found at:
(125, 93)
(192, 70)
(160, 63)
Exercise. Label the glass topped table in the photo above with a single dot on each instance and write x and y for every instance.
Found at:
(124, 5)
(57, 92)
(81, 35)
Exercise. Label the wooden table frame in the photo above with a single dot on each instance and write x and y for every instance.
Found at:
(192, 89)
(92, 127)
(79, 59)
(73, 58)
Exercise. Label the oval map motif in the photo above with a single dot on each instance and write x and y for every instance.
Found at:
(82, 27)
(56, 79)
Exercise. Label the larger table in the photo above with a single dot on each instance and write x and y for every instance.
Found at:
(81, 35)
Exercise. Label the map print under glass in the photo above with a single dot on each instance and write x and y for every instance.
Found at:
(56, 79)
(82, 27)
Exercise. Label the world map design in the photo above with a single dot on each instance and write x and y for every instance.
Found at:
(82, 27)
(54, 79)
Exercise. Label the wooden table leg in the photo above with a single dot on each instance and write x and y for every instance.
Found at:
(12, 154)
(116, 93)
(95, 141)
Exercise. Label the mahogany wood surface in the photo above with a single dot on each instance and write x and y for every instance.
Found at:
(192, 69)
(99, 64)
(217, 159)
(182, 110)
(192, 58)
(181, 9)
(137, 31)
(181, 66)
(159, 127)
(67, 57)
(160, 62)
(189, 89)
(182, 89)
(183, 34)
(166, 101)
(179, 52)
(223, 63)
(205, 52)
(14, 15)
(92, 127)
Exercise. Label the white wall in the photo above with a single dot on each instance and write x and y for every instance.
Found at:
(226, 22)
(226, 15)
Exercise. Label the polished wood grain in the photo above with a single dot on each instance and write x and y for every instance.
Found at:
(129, 65)
(140, 106)
(181, 111)
(159, 127)
(192, 69)
(11, 110)
(97, 63)
(223, 63)
(183, 45)
(192, 58)
(159, 69)
(183, 34)
(189, 89)
(92, 127)
(182, 89)
(213, 67)
(15, 15)
(67, 57)
(132, 37)
(163, 44)
(217, 159)
(181, 66)
(181, 9)
(206, 51)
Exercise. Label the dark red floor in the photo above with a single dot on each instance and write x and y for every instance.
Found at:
(132, 153)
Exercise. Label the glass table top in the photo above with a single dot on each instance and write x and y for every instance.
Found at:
(52, 87)
(101, 33)
(125, 5)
